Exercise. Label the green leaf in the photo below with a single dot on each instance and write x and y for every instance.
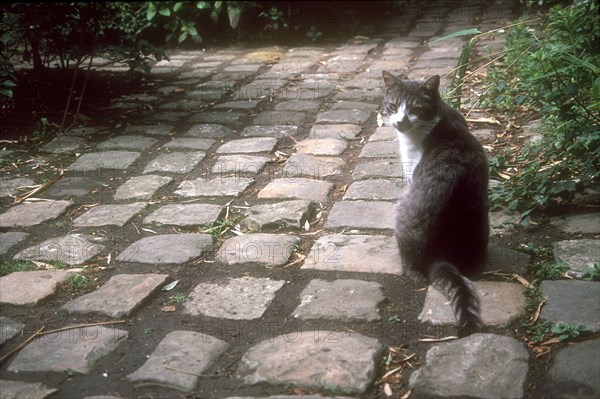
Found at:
(9, 83)
(165, 12)
(177, 6)
(183, 36)
(192, 29)
(202, 5)
(6, 92)
(463, 32)
(151, 12)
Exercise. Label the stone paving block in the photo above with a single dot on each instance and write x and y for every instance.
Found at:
(366, 84)
(9, 240)
(29, 288)
(331, 147)
(280, 118)
(352, 116)
(248, 146)
(141, 187)
(356, 104)
(299, 165)
(245, 298)
(72, 249)
(308, 91)
(244, 105)
(106, 215)
(175, 162)
(63, 145)
(129, 142)
(298, 106)
(378, 169)
(375, 189)
(32, 213)
(574, 371)
(179, 351)
(117, 160)
(185, 214)
(361, 215)
(355, 253)
(208, 131)
(266, 249)
(504, 258)
(77, 352)
(572, 302)
(221, 118)
(70, 187)
(259, 89)
(343, 300)
(10, 187)
(119, 297)
(185, 106)
(380, 149)
(327, 360)
(167, 116)
(357, 95)
(286, 214)
(478, 366)
(154, 130)
(344, 131)
(243, 68)
(501, 303)
(190, 143)
(297, 188)
(87, 131)
(9, 329)
(240, 165)
(278, 131)
(167, 249)
(485, 135)
(384, 133)
(217, 187)
(583, 223)
(577, 254)
(24, 390)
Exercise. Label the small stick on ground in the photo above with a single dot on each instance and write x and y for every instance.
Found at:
(22, 345)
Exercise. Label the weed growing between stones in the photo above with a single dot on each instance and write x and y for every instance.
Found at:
(77, 282)
(10, 266)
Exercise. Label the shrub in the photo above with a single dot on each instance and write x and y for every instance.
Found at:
(551, 69)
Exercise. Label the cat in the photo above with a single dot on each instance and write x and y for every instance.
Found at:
(441, 225)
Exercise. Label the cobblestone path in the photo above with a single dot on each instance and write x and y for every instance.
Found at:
(304, 292)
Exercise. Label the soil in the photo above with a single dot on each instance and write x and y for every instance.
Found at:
(398, 328)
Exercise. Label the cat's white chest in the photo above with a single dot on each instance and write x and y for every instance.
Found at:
(411, 151)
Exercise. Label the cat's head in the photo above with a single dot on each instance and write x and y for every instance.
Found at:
(411, 105)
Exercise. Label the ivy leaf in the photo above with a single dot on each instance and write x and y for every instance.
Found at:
(150, 13)
(183, 36)
(165, 12)
(201, 5)
(177, 6)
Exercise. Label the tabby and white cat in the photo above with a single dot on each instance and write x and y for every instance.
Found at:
(442, 225)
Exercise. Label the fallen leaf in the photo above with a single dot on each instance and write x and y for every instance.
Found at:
(387, 389)
(169, 308)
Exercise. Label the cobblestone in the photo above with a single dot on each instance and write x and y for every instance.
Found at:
(265, 249)
(167, 249)
(297, 188)
(72, 249)
(141, 187)
(190, 351)
(30, 214)
(120, 296)
(175, 162)
(184, 214)
(105, 215)
(238, 299)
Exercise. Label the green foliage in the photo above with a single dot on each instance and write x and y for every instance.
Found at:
(565, 331)
(177, 298)
(538, 332)
(551, 69)
(549, 270)
(593, 273)
(77, 282)
(65, 33)
(11, 266)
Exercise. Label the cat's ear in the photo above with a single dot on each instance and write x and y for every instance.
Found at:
(433, 83)
(389, 80)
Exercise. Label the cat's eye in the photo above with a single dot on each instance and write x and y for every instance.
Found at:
(393, 107)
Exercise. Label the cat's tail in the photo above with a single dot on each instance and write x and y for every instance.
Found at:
(459, 289)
